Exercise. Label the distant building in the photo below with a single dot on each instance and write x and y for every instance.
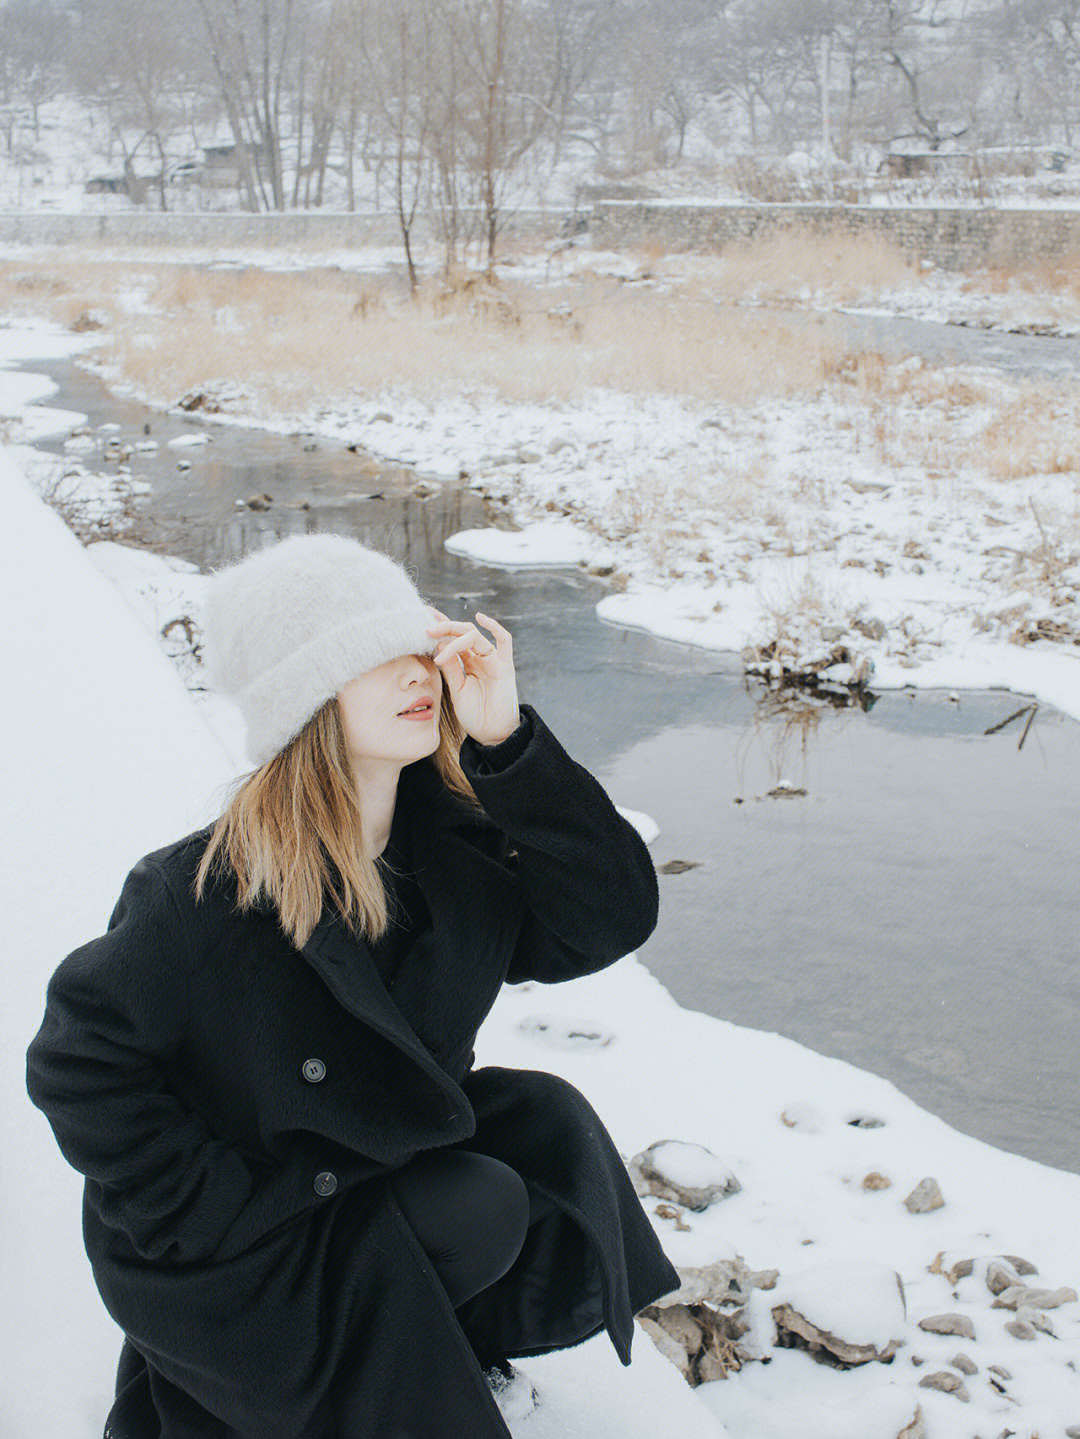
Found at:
(135, 187)
(107, 185)
(223, 164)
(998, 159)
(907, 164)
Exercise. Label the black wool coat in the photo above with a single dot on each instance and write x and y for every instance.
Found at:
(237, 1106)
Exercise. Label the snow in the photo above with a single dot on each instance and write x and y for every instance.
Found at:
(586, 1393)
(47, 165)
(195, 438)
(104, 759)
(966, 660)
(21, 416)
(689, 1165)
(798, 527)
(861, 1302)
(547, 542)
(793, 1395)
(110, 753)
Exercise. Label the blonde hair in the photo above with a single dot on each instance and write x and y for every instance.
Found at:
(290, 829)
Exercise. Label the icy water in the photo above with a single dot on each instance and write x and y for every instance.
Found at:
(1032, 356)
(916, 912)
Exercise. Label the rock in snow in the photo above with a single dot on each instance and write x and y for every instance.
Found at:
(685, 1173)
(855, 1311)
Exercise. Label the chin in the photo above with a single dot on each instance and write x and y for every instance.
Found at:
(428, 736)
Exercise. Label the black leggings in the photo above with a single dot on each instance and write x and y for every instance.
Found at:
(470, 1213)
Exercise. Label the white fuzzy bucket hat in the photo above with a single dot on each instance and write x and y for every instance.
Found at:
(286, 627)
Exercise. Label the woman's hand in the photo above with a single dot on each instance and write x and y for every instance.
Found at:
(479, 675)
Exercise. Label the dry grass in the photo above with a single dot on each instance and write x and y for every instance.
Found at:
(920, 415)
(317, 338)
(843, 268)
(666, 509)
(839, 268)
(295, 339)
(678, 327)
(1041, 274)
(1038, 433)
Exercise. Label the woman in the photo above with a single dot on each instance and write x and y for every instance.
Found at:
(309, 1214)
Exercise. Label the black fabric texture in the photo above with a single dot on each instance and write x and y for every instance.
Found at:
(469, 1212)
(491, 758)
(407, 913)
(239, 1107)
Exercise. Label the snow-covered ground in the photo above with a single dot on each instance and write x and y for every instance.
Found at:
(107, 756)
(822, 532)
(47, 170)
(1016, 303)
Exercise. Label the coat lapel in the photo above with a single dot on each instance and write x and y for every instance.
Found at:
(450, 870)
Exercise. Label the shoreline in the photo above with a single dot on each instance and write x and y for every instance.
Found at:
(802, 1131)
(933, 608)
(813, 565)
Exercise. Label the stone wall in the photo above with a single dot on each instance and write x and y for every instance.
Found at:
(321, 230)
(952, 238)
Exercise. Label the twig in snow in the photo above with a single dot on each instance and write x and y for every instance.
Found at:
(1046, 542)
(1031, 716)
(1009, 719)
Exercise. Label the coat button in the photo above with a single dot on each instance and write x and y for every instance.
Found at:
(314, 1069)
(325, 1183)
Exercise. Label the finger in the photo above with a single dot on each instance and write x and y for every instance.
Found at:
(451, 647)
(500, 632)
(463, 645)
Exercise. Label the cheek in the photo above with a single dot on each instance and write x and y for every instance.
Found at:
(359, 717)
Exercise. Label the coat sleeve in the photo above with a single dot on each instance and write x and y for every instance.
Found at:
(116, 1009)
(587, 877)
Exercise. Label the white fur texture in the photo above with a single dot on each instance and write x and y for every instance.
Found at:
(285, 627)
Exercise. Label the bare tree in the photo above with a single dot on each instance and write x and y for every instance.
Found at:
(321, 92)
(34, 45)
(583, 40)
(358, 69)
(856, 58)
(137, 64)
(758, 65)
(588, 44)
(504, 85)
(450, 177)
(460, 106)
(398, 43)
(1008, 45)
(914, 37)
(835, 47)
(1051, 30)
(662, 80)
(252, 47)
